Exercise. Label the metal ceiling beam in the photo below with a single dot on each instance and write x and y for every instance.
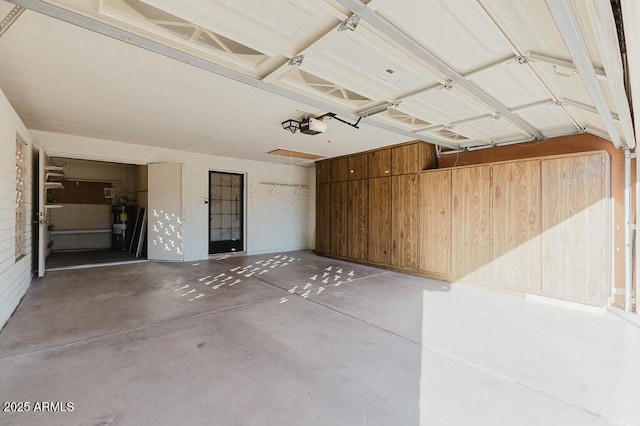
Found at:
(519, 51)
(99, 27)
(539, 57)
(10, 19)
(586, 107)
(395, 34)
(570, 31)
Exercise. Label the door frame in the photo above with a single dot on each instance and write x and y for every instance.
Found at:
(245, 198)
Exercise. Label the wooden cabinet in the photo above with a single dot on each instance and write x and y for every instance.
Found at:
(434, 223)
(413, 158)
(379, 163)
(471, 223)
(575, 226)
(339, 216)
(358, 167)
(323, 171)
(404, 224)
(340, 169)
(323, 218)
(536, 226)
(379, 244)
(516, 225)
(358, 219)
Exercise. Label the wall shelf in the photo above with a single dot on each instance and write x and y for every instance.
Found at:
(80, 231)
(53, 185)
(54, 175)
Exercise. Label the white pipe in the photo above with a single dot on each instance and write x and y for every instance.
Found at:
(628, 250)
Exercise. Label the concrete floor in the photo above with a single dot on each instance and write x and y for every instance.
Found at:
(73, 259)
(296, 339)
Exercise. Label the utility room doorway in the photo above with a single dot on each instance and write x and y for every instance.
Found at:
(226, 212)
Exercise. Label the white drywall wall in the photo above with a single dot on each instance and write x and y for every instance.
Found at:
(278, 217)
(15, 277)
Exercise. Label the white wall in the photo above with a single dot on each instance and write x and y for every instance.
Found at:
(15, 277)
(278, 217)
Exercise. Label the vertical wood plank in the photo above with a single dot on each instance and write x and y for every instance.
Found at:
(323, 218)
(358, 219)
(340, 169)
(358, 167)
(434, 226)
(379, 249)
(323, 171)
(516, 225)
(404, 225)
(471, 223)
(339, 224)
(574, 243)
(379, 163)
(404, 159)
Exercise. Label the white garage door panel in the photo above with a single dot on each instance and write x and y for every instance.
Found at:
(165, 212)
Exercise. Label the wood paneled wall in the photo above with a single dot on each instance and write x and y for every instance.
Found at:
(558, 146)
(354, 204)
(404, 221)
(339, 219)
(358, 219)
(323, 218)
(471, 216)
(434, 216)
(574, 202)
(500, 225)
(516, 225)
(379, 249)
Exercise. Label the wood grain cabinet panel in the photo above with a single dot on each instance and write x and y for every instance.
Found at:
(339, 219)
(323, 172)
(379, 163)
(413, 158)
(575, 223)
(323, 218)
(358, 219)
(358, 167)
(434, 223)
(516, 225)
(471, 223)
(404, 224)
(340, 169)
(379, 250)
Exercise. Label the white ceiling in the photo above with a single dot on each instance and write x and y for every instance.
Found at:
(67, 79)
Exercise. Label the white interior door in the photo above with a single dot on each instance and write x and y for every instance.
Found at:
(164, 237)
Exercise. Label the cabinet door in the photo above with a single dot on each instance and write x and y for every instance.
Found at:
(339, 223)
(413, 158)
(404, 159)
(404, 224)
(471, 223)
(323, 172)
(380, 220)
(358, 219)
(323, 218)
(516, 225)
(434, 223)
(340, 169)
(575, 252)
(358, 167)
(379, 163)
